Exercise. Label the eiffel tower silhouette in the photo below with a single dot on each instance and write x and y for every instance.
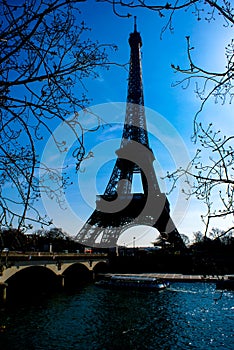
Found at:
(118, 208)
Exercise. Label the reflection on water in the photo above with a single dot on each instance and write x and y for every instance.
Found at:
(187, 316)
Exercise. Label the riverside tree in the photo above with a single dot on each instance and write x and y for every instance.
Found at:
(45, 57)
(210, 176)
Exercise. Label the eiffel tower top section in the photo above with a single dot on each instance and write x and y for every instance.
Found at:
(135, 122)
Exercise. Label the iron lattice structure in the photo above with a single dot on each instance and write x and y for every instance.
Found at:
(118, 208)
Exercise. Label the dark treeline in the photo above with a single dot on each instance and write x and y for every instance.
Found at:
(40, 240)
(206, 256)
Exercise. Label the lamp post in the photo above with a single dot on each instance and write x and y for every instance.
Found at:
(134, 245)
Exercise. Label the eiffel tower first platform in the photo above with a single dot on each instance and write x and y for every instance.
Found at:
(118, 208)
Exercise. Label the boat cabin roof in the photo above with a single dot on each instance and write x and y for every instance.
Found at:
(134, 278)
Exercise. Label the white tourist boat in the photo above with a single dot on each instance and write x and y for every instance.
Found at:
(133, 282)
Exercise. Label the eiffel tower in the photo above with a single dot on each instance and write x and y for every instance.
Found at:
(118, 208)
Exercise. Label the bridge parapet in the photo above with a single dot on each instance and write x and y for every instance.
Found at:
(12, 263)
(40, 255)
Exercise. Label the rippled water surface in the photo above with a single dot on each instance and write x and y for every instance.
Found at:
(187, 316)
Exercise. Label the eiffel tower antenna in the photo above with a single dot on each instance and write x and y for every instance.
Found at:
(135, 24)
(119, 208)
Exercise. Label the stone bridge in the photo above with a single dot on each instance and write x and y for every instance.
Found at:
(20, 273)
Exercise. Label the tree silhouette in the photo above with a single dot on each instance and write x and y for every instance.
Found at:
(219, 85)
(209, 176)
(45, 56)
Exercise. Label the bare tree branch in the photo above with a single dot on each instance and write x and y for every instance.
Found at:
(45, 58)
(209, 176)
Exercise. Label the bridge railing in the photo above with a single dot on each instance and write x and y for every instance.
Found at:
(55, 255)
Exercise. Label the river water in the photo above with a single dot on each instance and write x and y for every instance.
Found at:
(186, 316)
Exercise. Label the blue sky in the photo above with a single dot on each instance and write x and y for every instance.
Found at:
(169, 115)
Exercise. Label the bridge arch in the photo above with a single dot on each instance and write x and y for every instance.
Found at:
(31, 281)
(76, 274)
(100, 267)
